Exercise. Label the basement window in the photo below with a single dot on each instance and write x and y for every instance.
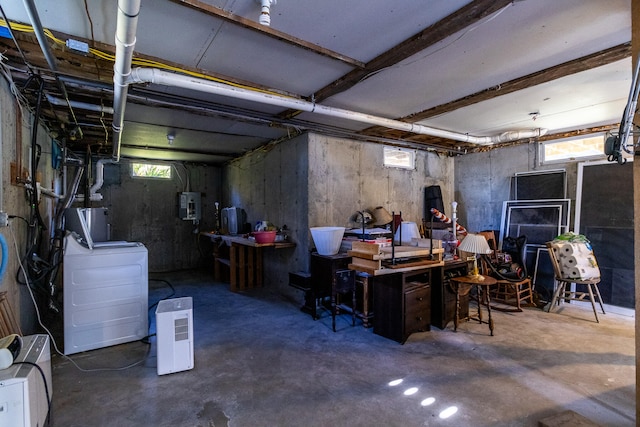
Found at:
(150, 170)
(403, 158)
(572, 149)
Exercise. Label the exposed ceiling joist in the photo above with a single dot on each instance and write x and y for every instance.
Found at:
(578, 65)
(279, 35)
(457, 89)
(457, 21)
(588, 62)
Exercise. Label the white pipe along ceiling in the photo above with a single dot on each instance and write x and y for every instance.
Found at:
(123, 76)
(126, 27)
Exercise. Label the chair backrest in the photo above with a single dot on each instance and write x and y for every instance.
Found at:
(490, 235)
(573, 262)
(554, 261)
(516, 247)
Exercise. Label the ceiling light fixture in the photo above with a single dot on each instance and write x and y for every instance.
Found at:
(265, 11)
(170, 137)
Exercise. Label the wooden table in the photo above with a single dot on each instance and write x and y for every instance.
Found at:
(245, 259)
(462, 286)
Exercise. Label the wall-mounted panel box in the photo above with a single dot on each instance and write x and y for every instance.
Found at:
(189, 206)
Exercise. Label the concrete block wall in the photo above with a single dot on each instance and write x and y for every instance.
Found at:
(483, 183)
(346, 176)
(146, 210)
(315, 180)
(271, 185)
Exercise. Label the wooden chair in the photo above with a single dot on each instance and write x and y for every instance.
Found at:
(515, 291)
(563, 291)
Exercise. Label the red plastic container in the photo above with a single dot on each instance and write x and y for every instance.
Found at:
(264, 236)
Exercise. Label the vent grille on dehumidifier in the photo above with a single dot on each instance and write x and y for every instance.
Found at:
(181, 329)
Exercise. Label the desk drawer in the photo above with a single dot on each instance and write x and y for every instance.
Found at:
(417, 305)
(418, 296)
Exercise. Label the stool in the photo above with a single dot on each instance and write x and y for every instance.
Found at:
(302, 280)
(344, 282)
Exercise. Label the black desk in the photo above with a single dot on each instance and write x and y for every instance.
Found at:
(402, 303)
(323, 272)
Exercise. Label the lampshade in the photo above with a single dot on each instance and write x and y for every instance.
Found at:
(382, 216)
(409, 230)
(475, 243)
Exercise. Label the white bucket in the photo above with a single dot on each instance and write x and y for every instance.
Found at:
(327, 239)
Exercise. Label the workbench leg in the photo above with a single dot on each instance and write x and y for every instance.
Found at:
(258, 267)
(233, 268)
(242, 267)
(365, 302)
(251, 259)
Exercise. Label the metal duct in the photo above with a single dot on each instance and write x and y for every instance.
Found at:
(99, 179)
(79, 105)
(156, 76)
(39, 32)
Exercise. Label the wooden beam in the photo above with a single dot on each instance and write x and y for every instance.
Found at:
(458, 20)
(578, 65)
(268, 31)
(585, 63)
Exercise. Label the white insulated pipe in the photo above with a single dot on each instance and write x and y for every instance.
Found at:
(265, 12)
(99, 178)
(127, 23)
(126, 28)
(156, 76)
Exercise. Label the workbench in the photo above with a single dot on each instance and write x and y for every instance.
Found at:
(400, 278)
(245, 259)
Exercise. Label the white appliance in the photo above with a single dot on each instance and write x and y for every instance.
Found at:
(105, 293)
(174, 333)
(96, 221)
(24, 399)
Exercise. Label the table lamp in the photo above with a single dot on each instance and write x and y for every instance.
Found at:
(476, 244)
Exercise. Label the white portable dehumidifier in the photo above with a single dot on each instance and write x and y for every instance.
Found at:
(174, 333)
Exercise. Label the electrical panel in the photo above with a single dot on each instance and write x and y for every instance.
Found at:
(189, 206)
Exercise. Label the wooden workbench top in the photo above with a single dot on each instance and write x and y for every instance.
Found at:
(228, 239)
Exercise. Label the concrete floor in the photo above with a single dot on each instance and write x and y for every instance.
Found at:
(260, 361)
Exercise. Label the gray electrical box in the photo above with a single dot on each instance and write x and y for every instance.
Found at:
(189, 206)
